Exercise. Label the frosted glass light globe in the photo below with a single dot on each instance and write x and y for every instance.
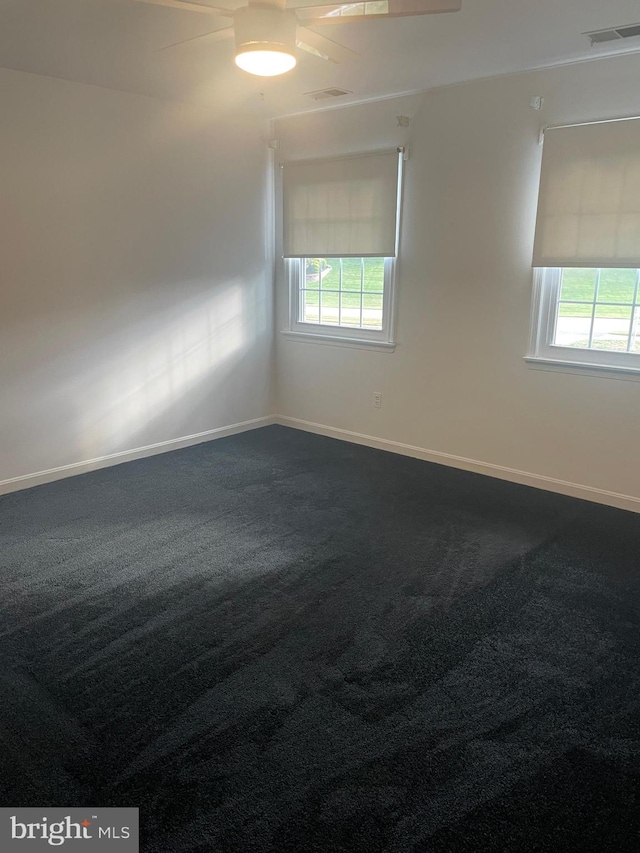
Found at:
(265, 63)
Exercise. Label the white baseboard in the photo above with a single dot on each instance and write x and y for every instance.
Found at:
(524, 478)
(26, 481)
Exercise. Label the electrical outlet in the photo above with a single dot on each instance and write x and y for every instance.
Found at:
(377, 399)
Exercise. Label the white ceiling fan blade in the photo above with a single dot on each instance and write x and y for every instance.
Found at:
(346, 13)
(190, 7)
(323, 47)
(214, 35)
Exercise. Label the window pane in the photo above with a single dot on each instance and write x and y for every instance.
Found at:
(373, 320)
(578, 284)
(331, 274)
(350, 309)
(610, 328)
(575, 309)
(372, 300)
(374, 274)
(372, 310)
(329, 312)
(350, 303)
(572, 329)
(350, 300)
(351, 274)
(309, 303)
(312, 268)
(377, 7)
(617, 285)
(635, 332)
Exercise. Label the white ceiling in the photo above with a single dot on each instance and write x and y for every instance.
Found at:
(114, 43)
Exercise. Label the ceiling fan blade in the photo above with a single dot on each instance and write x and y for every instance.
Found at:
(348, 13)
(323, 47)
(190, 7)
(214, 35)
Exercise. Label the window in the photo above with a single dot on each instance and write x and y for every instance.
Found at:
(345, 297)
(587, 247)
(589, 316)
(340, 232)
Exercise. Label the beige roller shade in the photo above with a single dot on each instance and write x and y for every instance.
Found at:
(341, 207)
(589, 204)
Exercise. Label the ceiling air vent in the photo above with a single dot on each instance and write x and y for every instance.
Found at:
(321, 94)
(613, 34)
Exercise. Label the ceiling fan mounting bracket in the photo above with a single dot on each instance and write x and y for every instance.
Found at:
(255, 25)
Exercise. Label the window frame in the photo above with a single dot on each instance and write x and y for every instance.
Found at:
(544, 315)
(334, 333)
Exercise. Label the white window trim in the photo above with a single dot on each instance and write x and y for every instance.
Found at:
(342, 335)
(543, 353)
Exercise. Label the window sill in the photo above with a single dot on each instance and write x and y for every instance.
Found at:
(338, 341)
(601, 371)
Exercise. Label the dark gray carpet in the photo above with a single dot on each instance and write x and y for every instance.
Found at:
(278, 642)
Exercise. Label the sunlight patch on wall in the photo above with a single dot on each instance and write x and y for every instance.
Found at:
(157, 366)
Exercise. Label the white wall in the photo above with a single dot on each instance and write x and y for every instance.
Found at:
(135, 275)
(457, 383)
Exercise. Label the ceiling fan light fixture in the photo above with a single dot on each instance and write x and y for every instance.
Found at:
(266, 60)
(265, 40)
